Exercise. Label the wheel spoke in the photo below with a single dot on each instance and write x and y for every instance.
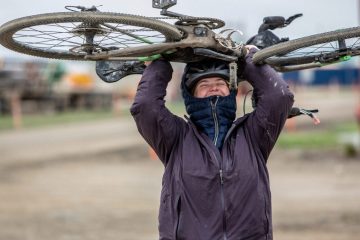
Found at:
(356, 42)
(43, 39)
(329, 47)
(70, 36)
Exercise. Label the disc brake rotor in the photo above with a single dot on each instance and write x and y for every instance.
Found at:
(88, 31)
(211, 23)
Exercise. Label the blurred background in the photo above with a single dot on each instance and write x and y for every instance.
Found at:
(73, 166)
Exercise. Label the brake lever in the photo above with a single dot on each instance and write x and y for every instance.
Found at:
(294, 112)
(292, 18)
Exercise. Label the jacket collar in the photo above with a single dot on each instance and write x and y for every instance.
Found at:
(234, 126)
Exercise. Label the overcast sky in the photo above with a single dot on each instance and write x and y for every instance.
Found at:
(319, 15)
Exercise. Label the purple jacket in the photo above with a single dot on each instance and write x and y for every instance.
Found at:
(207, 194)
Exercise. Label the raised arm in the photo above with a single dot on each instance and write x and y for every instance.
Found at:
(274, 101)
(159, 127)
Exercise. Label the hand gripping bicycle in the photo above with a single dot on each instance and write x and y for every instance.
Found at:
(88, 34)
(121, 42)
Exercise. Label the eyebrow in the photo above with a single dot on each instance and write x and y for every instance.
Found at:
(207, 80)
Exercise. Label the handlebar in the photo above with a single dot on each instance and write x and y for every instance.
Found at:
(274, 22)
(265, 37)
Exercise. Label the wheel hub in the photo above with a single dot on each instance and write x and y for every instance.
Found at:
(89, 28)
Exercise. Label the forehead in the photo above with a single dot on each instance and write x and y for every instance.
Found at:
(211, 80)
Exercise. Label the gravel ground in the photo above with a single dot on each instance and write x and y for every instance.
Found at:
(115, 195)
(96, 181)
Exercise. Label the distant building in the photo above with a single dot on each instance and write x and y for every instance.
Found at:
(342, 76)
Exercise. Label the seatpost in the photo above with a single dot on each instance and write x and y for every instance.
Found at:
(164, 5)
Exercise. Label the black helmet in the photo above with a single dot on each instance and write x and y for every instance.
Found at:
(207, 68)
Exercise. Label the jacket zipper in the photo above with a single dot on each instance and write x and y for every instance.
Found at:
(216, 121)
(216, 136)
(223, 203)
(221, 174)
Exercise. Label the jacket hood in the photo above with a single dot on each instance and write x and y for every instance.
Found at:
(212, 115)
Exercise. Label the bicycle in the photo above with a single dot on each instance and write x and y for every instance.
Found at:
(307, 52)
(120, 43)
(91, 36)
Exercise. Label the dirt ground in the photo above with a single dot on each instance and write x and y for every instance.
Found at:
(96, 181)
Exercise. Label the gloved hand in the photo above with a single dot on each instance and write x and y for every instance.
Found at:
(264, 39)
(249, 49)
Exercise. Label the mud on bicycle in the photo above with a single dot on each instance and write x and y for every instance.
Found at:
(88, 34)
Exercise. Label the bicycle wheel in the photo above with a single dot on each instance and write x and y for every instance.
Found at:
(322, 49)
(73, 35)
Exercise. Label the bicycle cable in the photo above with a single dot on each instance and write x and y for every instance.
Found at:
(246, 94)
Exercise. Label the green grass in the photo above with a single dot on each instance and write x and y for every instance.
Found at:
(304, 140)
(319, 139)
(42, 120)
(53, 119)
(326, 137)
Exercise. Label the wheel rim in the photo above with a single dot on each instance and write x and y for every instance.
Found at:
(323, 53)
(77, 39)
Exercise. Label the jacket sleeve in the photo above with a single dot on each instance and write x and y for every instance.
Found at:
(274, 101)
(158, 126)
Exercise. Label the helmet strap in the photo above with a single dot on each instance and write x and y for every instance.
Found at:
(233, 75)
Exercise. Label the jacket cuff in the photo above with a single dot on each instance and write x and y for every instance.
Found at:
(160, 64)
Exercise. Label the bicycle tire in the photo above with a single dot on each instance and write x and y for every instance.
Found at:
(276, 55)
(166, 32)
(297, 67)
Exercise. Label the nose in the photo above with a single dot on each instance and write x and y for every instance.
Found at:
(214, 87)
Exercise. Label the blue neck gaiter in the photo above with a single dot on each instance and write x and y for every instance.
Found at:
(212, 115)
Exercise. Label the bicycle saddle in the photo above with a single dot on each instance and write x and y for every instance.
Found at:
(112, 71)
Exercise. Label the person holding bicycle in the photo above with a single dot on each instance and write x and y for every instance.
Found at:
(216, 183)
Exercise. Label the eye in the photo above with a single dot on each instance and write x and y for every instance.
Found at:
(203, 84)
(221, 84)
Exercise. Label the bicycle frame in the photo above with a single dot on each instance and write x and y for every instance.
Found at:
(80, 34)
(196, 35)
(134, 39)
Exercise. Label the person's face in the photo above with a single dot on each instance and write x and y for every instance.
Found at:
(212, 86)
